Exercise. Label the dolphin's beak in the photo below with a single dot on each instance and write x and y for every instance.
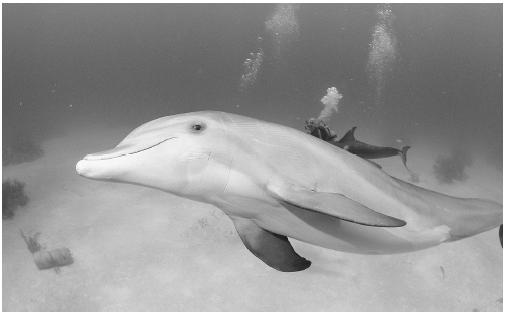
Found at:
(101, 165)
(96, 166)
(94, 169)
(81, 168)
(105, 166)
(108, 154)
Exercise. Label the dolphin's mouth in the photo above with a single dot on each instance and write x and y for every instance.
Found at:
(119, 151)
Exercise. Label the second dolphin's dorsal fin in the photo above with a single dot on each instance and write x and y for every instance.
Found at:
(349, 136)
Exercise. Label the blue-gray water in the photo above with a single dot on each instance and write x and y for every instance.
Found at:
(78, 77)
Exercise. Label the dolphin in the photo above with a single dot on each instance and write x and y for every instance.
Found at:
(348, 142)
(368, 151)
(275, 183)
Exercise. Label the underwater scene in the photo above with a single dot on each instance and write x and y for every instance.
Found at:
(252, 157)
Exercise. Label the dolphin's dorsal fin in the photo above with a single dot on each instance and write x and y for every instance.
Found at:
(349, 136)
(333, 204)
(274, 249)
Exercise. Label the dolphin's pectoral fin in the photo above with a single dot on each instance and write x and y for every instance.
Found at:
(274, 249)
(333, 204)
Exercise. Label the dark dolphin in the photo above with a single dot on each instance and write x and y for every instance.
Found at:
(369, 151)
(348, 142)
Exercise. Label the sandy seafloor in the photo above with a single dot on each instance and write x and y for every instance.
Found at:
(138, 249)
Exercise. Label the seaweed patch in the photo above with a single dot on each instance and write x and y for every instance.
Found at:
(22, 149)
(13, 197)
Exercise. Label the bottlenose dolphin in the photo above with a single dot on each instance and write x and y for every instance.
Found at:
(348, 142)
(368, 151)
(276, 182)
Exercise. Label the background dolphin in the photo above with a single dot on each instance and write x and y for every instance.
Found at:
(369, 151)
(276, 182)
(348, 142)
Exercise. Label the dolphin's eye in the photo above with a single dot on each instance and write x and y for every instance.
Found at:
(198, 127)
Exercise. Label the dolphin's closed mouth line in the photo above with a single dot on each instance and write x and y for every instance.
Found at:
(124, 154)
(149, 147)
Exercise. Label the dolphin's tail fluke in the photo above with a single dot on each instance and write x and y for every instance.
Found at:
(403, 155)
(500, 234)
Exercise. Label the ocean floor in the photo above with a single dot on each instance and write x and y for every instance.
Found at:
(138, 249)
